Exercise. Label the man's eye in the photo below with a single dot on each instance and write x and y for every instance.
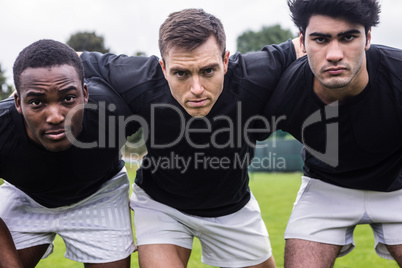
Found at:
(69, 98)
(349, 37)
(180, 73)
(35, 102)
(320, 40)
(209, 71)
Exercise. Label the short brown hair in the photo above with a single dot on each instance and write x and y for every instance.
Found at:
(188, 29)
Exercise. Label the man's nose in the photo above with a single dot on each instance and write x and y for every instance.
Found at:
(55, 115)
(334, 52)
(196, 86)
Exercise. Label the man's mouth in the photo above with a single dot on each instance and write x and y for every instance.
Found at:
(197, 103)
(335, 71)
(55, 134)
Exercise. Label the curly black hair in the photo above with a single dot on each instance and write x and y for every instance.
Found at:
(364, 12)
(46, 53)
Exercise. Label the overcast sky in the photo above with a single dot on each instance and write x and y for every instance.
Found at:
(129, 26)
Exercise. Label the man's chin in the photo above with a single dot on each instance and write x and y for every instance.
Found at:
(58, 147)
(198, 112)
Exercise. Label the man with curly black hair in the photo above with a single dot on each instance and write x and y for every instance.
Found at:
(343, 101)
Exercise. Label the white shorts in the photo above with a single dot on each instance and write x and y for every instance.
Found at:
(95, 230)
(236, 240)
(328, 214)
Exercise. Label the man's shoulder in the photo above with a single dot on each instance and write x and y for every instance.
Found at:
(5, 107)
(298, 65)
(269, 54)
(271, 59)
(296, 74)
(384, 65)
(292, 88)
(385, 49)
(385, 55)
(120, 69)
(122, 78)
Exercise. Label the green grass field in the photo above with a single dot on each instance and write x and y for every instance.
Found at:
(275, 194)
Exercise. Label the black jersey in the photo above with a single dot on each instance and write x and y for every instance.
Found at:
(357, 144)
(196, 165)
(55, 179)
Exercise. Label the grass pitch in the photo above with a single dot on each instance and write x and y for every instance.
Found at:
(275, 193)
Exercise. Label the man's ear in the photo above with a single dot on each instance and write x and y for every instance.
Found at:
(17, 102)
(85, 93)
(368, 40)
(226, 61)
(162, 63)
(301, 40)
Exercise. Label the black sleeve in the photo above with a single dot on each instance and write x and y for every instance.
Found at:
(128, 76)
(259, 72)
(286, 97)
(284, 54)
